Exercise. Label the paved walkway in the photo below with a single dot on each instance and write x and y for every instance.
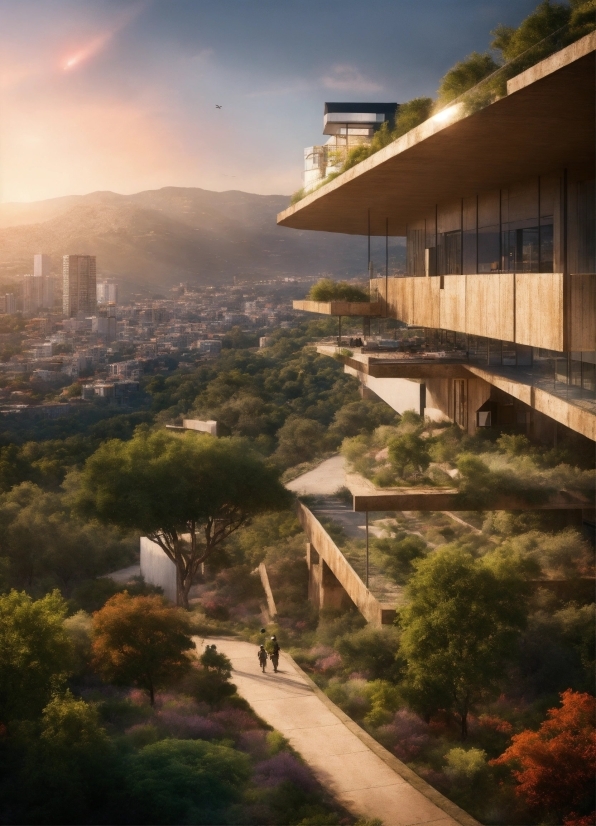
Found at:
(344, 758)
(324, 480)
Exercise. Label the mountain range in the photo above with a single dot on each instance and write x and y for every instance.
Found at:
(152, 240)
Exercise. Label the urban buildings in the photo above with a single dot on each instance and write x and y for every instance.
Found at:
(495, 198)
(79, 289)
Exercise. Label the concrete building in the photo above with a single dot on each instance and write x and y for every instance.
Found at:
(42, 269)
(348, 125)
(107, 292)
(495, 198)
(10, 303)
(79, 288)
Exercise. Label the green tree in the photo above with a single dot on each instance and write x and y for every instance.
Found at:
(460, 628)
(546, 19)
(399, 554)
(412, 114)
(36, 654)
(464, 75)
(141, 641)
(409, 451)
(300, 440)
(187, 493)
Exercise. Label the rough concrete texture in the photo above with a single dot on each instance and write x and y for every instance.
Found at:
(363, 776)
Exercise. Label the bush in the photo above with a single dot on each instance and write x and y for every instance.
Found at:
(185, 781)
(328, 290)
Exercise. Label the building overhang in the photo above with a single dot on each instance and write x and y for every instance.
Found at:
(545, 122)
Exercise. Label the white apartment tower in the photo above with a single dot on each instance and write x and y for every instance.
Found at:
(41, 269)
(79, 288)
(107, 292)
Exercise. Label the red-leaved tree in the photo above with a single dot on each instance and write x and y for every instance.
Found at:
(554, 766)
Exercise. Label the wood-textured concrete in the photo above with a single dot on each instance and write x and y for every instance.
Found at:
(365, 778)
(365, 309)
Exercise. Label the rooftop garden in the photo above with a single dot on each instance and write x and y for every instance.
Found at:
(328, 290)
(422, 454)
(481, 78)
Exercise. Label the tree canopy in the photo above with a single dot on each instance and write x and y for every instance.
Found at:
(141, 641)
(460, 627)
(187, 493)
(35, 653)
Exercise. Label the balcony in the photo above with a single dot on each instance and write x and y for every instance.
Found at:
(355, 309)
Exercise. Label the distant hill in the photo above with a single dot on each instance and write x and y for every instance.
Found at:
(154, 239)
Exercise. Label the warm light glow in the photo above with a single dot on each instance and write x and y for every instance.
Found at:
(98, 43)
(448, 114)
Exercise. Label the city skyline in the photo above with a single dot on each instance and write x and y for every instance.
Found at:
(138, 83)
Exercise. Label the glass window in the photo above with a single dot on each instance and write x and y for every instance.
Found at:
(489, 249)
(470, 247)
(450, 253)
(546, 247)
(586, 220)
(521, 249)
(415, 252)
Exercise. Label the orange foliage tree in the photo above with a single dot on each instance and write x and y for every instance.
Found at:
(554, 766)
(141, 641)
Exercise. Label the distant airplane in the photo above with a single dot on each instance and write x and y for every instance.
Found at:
(217, 106)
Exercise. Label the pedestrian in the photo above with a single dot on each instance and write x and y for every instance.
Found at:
(262, 657)
(274, 650)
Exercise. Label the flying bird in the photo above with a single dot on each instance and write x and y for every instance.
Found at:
(217, 106)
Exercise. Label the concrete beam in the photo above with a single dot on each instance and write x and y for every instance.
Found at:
(433, 500)
(357, 309)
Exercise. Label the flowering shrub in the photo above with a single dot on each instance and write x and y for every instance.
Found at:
(329, 663)
(234, 720)
(406, 735)
(189, 727)
(283, 767)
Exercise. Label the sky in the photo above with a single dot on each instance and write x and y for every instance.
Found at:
(121, 95)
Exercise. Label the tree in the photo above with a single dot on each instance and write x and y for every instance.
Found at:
(186, 493)
(409, 450)
(464, 75)
(141, 641)
(35, 653)
(546, 19)
(300, 439)
(554, 767)
(460, 628)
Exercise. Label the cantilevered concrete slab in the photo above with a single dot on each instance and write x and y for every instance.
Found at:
(369, 498)
(547, 117)
(343, 308)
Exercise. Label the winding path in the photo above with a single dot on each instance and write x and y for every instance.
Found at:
(368, 780)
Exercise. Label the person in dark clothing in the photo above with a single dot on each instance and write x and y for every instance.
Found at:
(262, 657)
(274, 650)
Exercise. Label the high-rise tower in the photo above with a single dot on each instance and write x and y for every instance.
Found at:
(79, 284)
(41, 269)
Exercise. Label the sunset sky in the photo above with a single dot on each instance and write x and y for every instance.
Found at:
(121, 94)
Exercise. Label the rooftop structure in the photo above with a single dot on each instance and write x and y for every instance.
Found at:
(348, 125)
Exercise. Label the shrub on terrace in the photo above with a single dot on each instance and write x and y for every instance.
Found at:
(464, 75)
(328, 290)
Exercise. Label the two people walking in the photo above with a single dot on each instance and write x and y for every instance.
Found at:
(271, 652)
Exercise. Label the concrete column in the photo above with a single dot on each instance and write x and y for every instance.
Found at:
(332, 593)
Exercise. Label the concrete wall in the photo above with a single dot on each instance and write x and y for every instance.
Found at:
(333, 582)
(157, 569)
(400, 394)
(209, 426)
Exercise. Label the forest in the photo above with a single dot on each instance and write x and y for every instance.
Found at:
(484, 685)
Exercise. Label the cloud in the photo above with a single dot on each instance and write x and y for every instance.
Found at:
(280, 89)
(346, 78)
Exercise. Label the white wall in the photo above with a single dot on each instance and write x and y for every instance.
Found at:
(157, 569)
